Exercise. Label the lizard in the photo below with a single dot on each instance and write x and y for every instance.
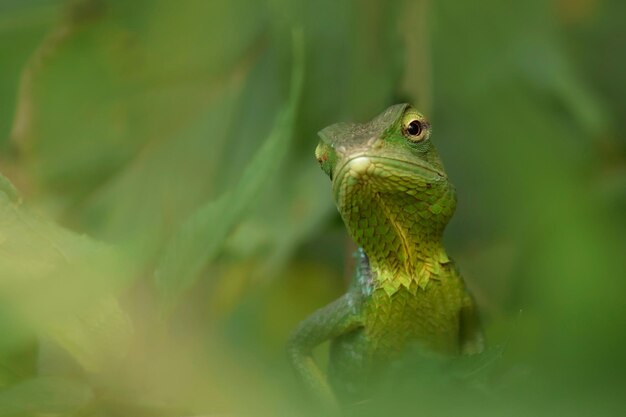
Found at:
(395, 199)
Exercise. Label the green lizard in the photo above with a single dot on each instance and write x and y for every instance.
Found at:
(395, 199)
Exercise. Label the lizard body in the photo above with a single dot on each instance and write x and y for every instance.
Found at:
(395, 199)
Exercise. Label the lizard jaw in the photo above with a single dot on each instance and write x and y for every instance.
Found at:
(359, 167)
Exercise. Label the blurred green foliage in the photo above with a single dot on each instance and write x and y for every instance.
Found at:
(168, 225)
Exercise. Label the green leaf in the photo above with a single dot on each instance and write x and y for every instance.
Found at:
(63, 285)
(44, 395)
(203, 234)
(7, 188)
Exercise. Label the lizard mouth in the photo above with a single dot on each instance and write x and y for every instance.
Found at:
(387, 167)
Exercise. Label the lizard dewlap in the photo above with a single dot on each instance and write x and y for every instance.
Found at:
(395, 200)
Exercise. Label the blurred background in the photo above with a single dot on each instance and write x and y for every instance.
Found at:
(164, 224)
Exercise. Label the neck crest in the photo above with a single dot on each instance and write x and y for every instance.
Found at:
(423, 270)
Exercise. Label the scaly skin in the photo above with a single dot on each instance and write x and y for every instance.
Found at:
(395, 199)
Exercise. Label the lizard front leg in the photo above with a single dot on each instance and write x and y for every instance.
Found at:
(334, 320)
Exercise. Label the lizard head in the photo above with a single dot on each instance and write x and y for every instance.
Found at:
(387, 177)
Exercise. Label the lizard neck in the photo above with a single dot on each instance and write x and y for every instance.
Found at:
(415, 261)
(402, 239)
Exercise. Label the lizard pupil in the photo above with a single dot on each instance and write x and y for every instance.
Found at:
(414, 128)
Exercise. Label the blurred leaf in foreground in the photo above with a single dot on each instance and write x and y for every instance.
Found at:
(204, 232)
(63, 285)
(45, 395)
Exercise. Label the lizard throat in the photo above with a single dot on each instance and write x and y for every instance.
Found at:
(398, 220)
(402, 252)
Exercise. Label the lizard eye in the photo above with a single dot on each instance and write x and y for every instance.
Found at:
(414, 128)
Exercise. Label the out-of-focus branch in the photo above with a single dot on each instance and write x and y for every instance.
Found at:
(416, 81)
